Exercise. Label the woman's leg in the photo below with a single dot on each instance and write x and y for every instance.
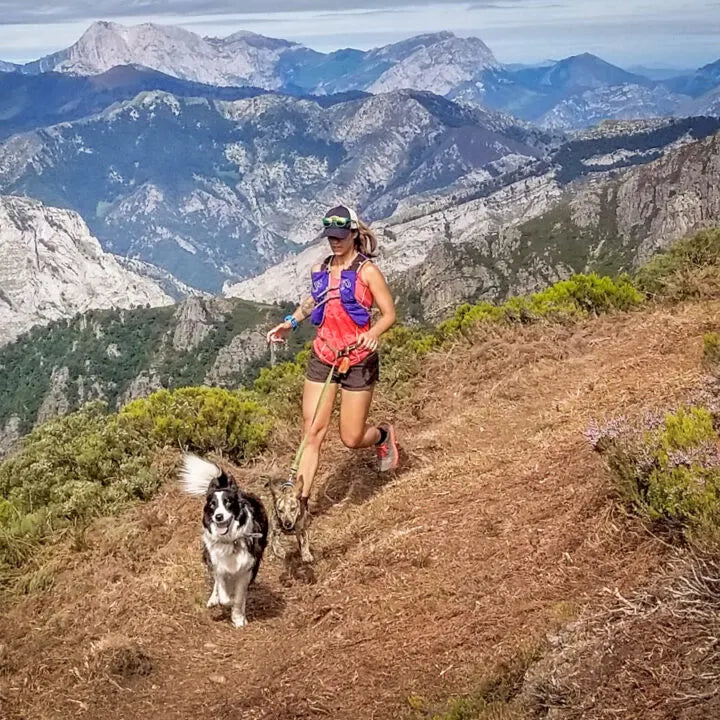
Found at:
(356, 433)
(315, 431)
(354, 409)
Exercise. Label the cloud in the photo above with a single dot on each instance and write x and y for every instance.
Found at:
(661, 32)
(20, 12)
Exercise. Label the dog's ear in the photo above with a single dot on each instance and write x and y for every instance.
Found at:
(273, 485)
(276, 481)
(223, 482)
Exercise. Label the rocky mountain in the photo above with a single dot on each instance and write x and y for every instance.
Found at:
(579, 72)
(28, 102)
(456, 67)
(213, 191)
(119, 355)
(435, 62)
(707, 104)
(658, 73)
(240, 59)
(6, 67)
(695, 84)
(167, 282)
(608, 223)
(616, 102)
(605, 201)
(572, 93)
(53, 267)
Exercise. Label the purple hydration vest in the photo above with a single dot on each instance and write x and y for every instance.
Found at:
(359, 314)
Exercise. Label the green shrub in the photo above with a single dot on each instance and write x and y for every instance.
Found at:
(201, 419)
(583, 295)
(66, 462)
(67, 471)
(577, 297)
(402, 353)
(683, 484)
(668, 469)
(469, 316)
(92, 462)
(711, 350)
(689, 269)
(272, 379)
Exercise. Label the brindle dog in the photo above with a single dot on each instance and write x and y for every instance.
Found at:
(289, 516)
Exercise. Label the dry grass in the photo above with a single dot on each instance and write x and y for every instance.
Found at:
(119, 657)
(426, 582)
(653, 654)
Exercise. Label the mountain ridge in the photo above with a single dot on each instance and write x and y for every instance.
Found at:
(257, 173)
(563, 218)
(461, 68)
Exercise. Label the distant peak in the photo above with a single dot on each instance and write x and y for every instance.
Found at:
(584, 57)
(441, 35)
(239, 34)
(102, 26)
(253, 39)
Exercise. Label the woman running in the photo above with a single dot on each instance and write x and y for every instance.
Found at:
(344, 288)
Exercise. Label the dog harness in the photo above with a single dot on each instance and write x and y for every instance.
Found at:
(342, 310)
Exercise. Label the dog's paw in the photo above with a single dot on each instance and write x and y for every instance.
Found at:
(238, 619)
(213, 601)
(307, 556)
(278, 551)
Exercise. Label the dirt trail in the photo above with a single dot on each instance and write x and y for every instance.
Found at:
(498, 530)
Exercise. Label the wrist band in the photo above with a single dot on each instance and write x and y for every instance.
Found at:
(292, 321)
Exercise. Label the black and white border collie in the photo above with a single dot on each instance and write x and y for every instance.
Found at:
(235, 533)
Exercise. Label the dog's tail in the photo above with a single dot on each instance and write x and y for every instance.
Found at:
(196, 474)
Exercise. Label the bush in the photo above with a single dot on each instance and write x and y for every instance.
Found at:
(69, 470)
(201, 419)
(666, 468)
(711, 351)
(689, 269)
(577, 297)
(684, 483)
(280, 387)
(92, 463)
(583, 295)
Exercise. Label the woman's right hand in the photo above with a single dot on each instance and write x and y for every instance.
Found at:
(279, 333)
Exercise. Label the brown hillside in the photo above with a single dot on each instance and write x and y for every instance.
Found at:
(499, 530)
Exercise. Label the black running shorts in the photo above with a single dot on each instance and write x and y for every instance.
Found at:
(362, 376)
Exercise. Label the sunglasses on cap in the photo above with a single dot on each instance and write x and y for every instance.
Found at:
(337, 221)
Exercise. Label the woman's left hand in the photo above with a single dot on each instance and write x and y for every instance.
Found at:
(368, 340)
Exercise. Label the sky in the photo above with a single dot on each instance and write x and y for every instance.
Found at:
(655, 33)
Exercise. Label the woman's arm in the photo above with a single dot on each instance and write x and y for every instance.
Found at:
(375, 280)
(302, 311)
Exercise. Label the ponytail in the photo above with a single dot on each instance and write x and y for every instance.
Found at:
(365, 242)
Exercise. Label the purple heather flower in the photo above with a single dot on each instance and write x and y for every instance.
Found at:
(705, 456)
(607, 432)
(654, 419)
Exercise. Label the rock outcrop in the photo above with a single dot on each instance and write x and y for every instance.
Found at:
(53, 268)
